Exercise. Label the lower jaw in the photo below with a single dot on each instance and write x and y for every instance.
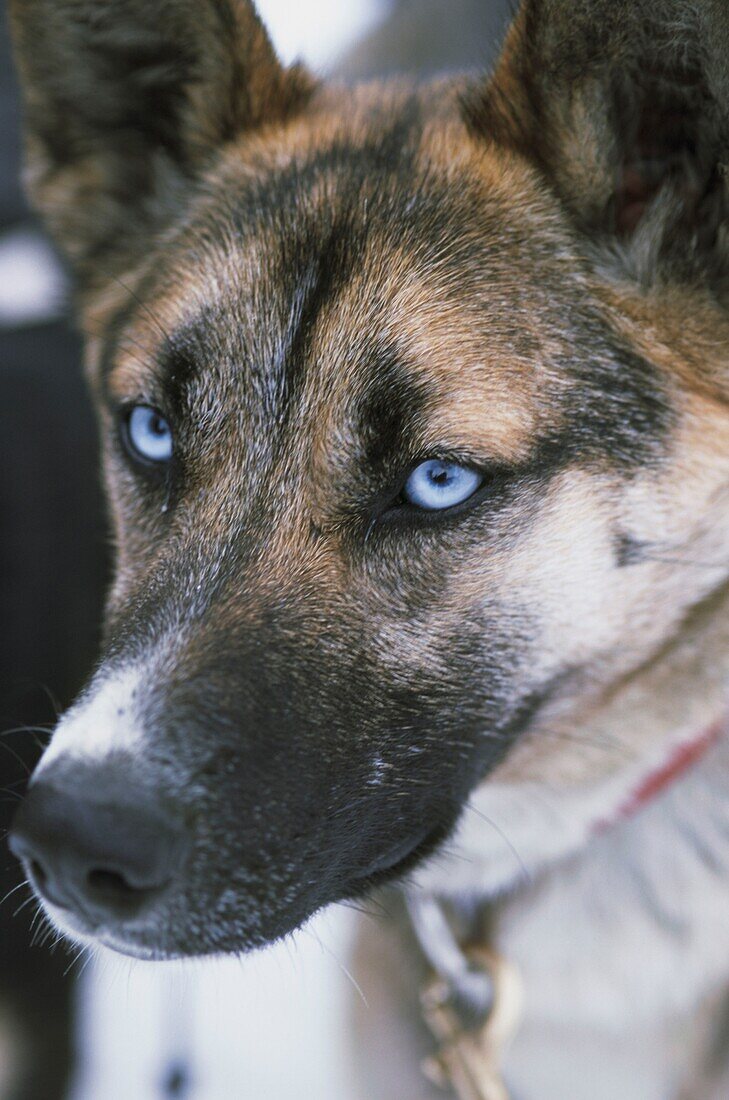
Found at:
(83, 934)
(398, 861)
(131, 949)
(140, 944)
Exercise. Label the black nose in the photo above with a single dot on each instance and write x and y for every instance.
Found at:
(97, 852)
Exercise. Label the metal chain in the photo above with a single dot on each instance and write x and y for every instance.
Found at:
(472, 1007)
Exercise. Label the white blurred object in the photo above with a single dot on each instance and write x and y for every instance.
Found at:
(317, 31)
(269, 1026)
(32, 283)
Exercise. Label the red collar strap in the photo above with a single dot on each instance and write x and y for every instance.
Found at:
(679, 761)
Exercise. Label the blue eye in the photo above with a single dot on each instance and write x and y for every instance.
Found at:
(149, 434)
(436, 485)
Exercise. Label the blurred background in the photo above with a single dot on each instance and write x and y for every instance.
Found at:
(266, 1027)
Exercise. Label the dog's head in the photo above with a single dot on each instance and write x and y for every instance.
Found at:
(409, 398)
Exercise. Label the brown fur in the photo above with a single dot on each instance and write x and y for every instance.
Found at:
(321, 287)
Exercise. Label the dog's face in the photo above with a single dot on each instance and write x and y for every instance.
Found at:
(399, 432)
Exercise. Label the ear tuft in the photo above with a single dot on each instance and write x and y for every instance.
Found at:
(126, 101)
(623, 106)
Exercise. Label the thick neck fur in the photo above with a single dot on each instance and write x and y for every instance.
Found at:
(619, 932)
(623, 946)
(527, 817)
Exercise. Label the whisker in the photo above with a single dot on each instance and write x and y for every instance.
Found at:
(333, 955)
(145, 307)
(11, 798)
(79, 953)
(25, 729)
(53, 700)
(38, 926)
(367, 907)
(27, 902)
(15, 890)
(18, 757)
(90, 955)
(500, 832)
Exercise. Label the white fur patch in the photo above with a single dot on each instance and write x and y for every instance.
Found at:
(104, 720)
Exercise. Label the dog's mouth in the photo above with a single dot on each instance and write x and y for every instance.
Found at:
(389, 862)
(148, 934)
(134, 949)
(146, 938)
(400, 859)
(145, 879)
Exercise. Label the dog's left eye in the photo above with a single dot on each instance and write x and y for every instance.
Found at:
(148, 434)
(435, 485)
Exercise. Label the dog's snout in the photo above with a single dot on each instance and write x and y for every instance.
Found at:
(102, 856)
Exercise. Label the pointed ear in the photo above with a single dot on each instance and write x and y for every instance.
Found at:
(127, 100)
(623, 107)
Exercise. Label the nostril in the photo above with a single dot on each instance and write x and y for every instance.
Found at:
(110, 884)
(104, 858)
(40, 880)
(116, 892)
(38, 873)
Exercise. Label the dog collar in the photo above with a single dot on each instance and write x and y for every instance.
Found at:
(473, 1005)
(679, 761)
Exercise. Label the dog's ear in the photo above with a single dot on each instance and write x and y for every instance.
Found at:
(125, 103)
(623, 107)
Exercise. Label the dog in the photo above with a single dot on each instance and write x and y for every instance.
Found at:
(413, 404)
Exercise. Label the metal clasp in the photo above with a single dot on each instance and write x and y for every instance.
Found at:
(472, 1007)
(470, 1061)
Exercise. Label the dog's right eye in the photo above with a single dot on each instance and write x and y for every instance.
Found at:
(148, 435)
